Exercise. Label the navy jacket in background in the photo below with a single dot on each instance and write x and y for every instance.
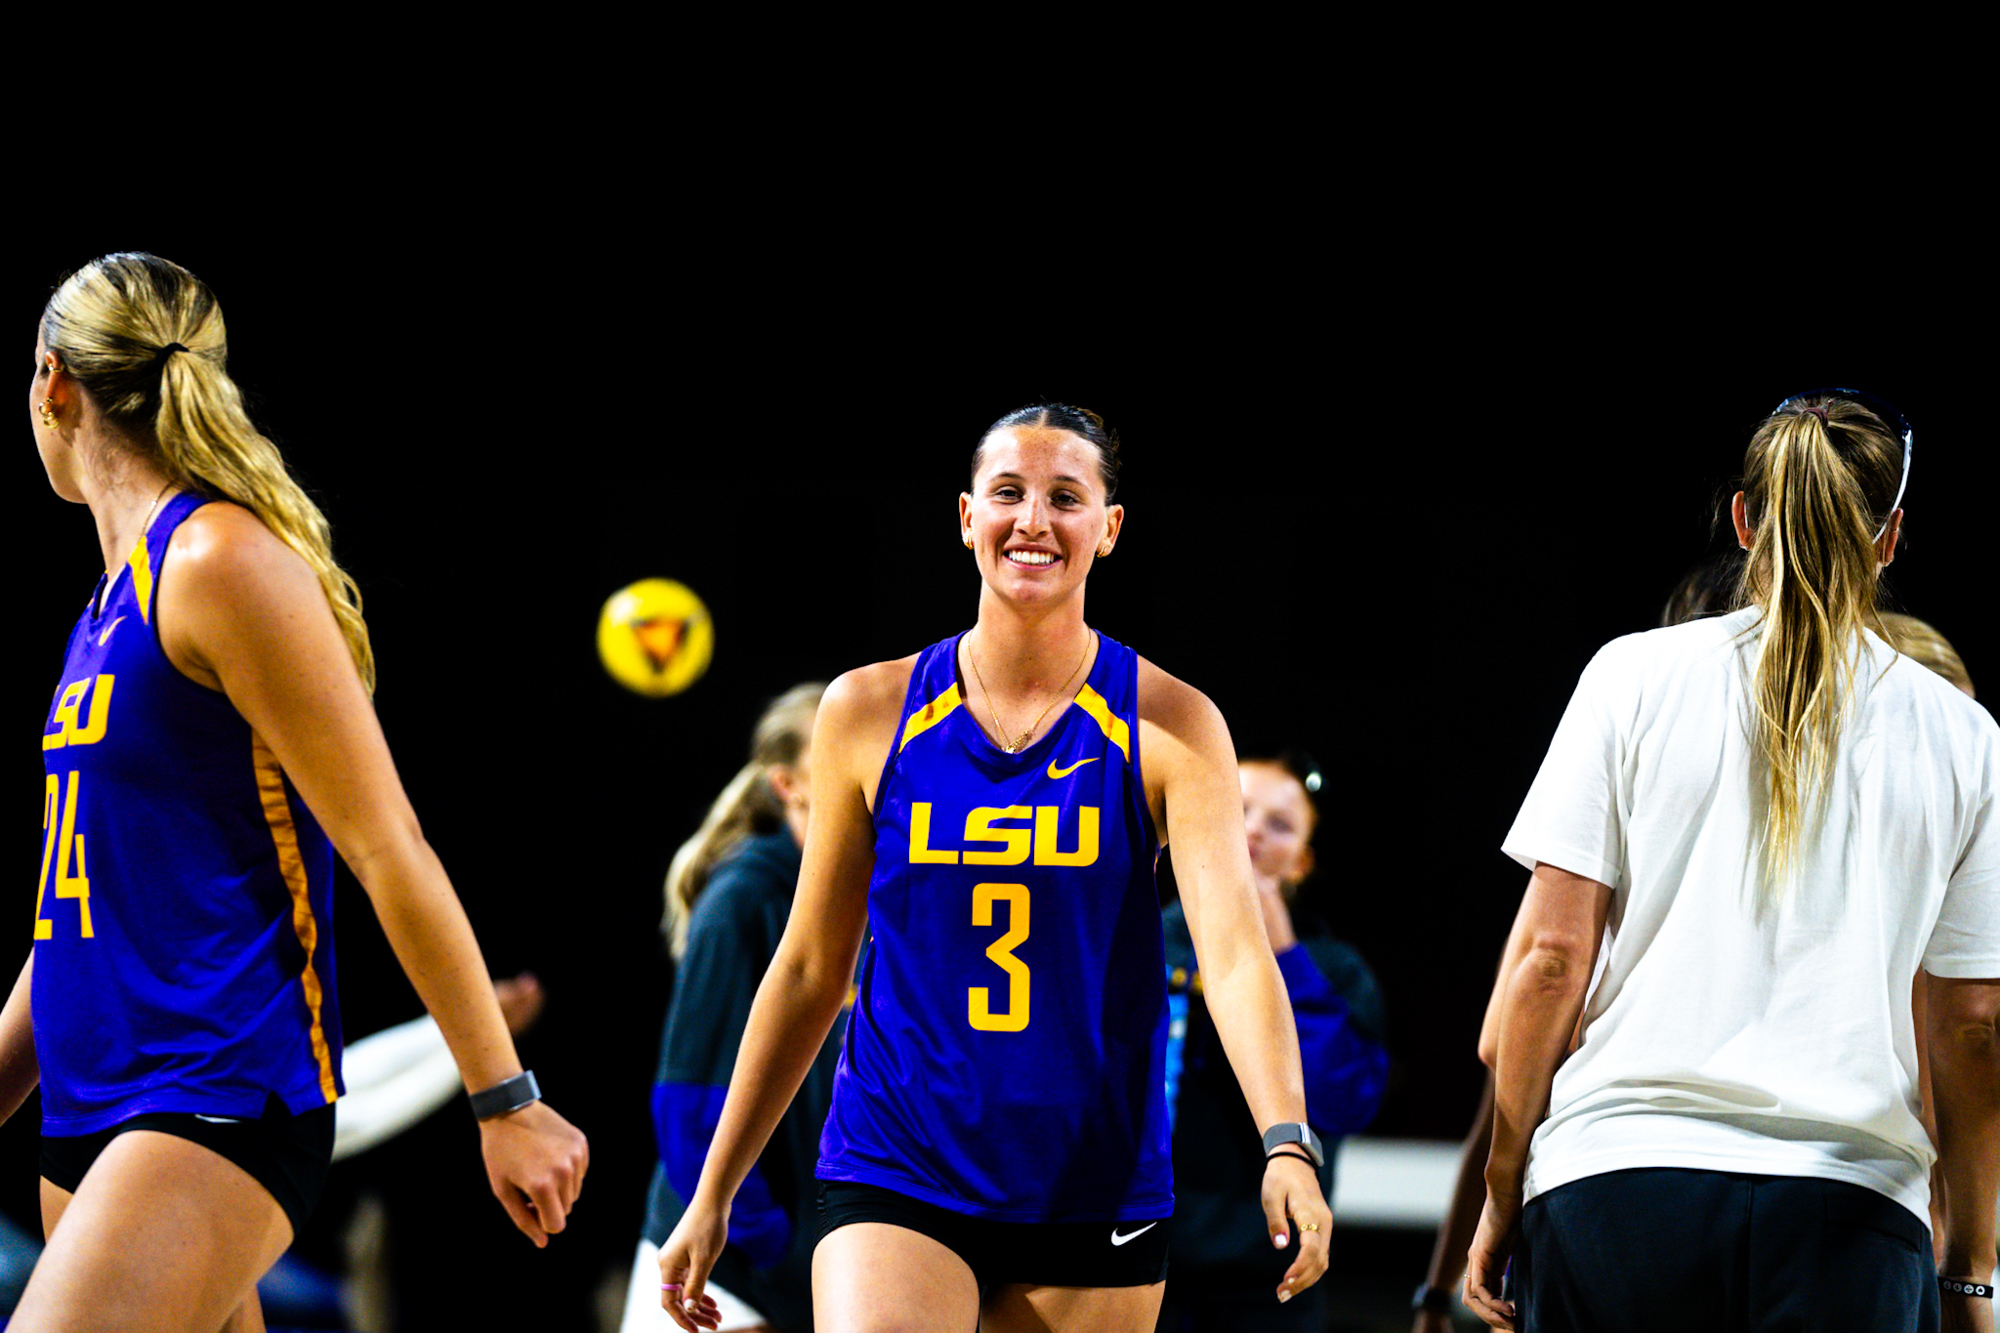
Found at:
(773, 1224)
(1219, 1231)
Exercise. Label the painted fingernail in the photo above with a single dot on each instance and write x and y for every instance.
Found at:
(1284, 1296)
(1278, 1241)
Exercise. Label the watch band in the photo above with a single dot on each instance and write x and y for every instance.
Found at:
(507, 1095)
(1277, 1136)
(1432, 1299)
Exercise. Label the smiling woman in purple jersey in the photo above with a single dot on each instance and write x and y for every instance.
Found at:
(990, 810)
(211, 745)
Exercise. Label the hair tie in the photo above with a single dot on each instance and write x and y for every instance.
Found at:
(160, 358)
(1819, 412)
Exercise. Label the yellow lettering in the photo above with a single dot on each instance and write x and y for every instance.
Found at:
(51, 802)
(1046, 853)
(100, 714)
(68, 885)
(920, 837)
(979, 828)
(67, 731)
(72, 695)
(1001, 951)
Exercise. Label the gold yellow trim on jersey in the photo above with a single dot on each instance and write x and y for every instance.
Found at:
(1112, 725)
(285, 836)
(141, 565)
(932, 713)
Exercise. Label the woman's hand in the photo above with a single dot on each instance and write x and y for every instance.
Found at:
(1291, 1191)
(1492, 1247)
(1277, 913)
(1966, 1314)
(535, 1162)
(685, 1261)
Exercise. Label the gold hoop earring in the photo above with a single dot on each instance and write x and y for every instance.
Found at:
(48, 414)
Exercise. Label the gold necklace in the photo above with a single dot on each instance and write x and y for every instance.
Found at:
(1015, 746)
(147, 520)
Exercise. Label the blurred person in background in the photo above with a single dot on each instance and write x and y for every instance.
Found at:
(1224, 1274)
(729, 893)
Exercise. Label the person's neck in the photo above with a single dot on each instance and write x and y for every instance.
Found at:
(123, 497)
(1028, 650)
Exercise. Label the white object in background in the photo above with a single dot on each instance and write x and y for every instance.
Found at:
(642, 1300)
(394, 1079)
(1394, 1182)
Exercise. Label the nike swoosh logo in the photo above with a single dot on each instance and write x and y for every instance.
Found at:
(102, 638)
(219, 1119)
(1055, 772)
(1117, 1239)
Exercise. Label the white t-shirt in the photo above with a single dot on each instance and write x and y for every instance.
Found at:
(1731, 1030)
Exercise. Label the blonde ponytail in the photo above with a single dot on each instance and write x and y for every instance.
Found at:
(145, 338)
(1819, 483)
(748, 806)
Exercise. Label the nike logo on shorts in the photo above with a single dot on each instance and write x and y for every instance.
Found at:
(1117, 1239)
(1059, 773)
(219, 1119)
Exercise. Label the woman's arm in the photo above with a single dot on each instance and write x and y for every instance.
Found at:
(1562, 920)
(20, 1069)
(1510, 960)
(1965, 1086)
(803, 989)
(1468, 1199)
(240, 612)
(1190, 763)
(732, 935)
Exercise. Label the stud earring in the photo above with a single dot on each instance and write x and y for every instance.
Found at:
(48, 413)
(968, 543)
(1103, 551)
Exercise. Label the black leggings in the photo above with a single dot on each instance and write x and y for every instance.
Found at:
(1671, 1250)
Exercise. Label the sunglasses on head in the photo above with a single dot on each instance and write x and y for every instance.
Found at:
(1897, 423)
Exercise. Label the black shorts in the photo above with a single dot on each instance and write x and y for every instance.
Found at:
(286, 1154)
(1037, 1254)
(1661, 1249)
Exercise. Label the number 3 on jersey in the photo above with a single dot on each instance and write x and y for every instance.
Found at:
(59, 828)
(1001, 951)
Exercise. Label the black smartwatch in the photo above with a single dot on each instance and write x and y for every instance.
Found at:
(507, 1096)
(1280, 1136)
(1434, 1299)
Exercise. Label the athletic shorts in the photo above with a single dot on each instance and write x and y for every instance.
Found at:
(1036, 1254)
(286, 1154)
(1666, 1249)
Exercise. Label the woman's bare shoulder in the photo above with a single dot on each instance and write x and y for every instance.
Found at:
(857, 723)
(224, 548)
(1177, 708)
(873, 693)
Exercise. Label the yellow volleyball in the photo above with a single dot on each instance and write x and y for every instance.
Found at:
(655, 637)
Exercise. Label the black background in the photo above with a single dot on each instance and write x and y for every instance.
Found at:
(1386, 492)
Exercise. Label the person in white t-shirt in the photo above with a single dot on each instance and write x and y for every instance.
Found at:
(1772, 820)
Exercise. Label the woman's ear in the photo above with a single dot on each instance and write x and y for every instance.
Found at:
(1114, 519)
(784, 780)
(1886, 548)
(1739, 514)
